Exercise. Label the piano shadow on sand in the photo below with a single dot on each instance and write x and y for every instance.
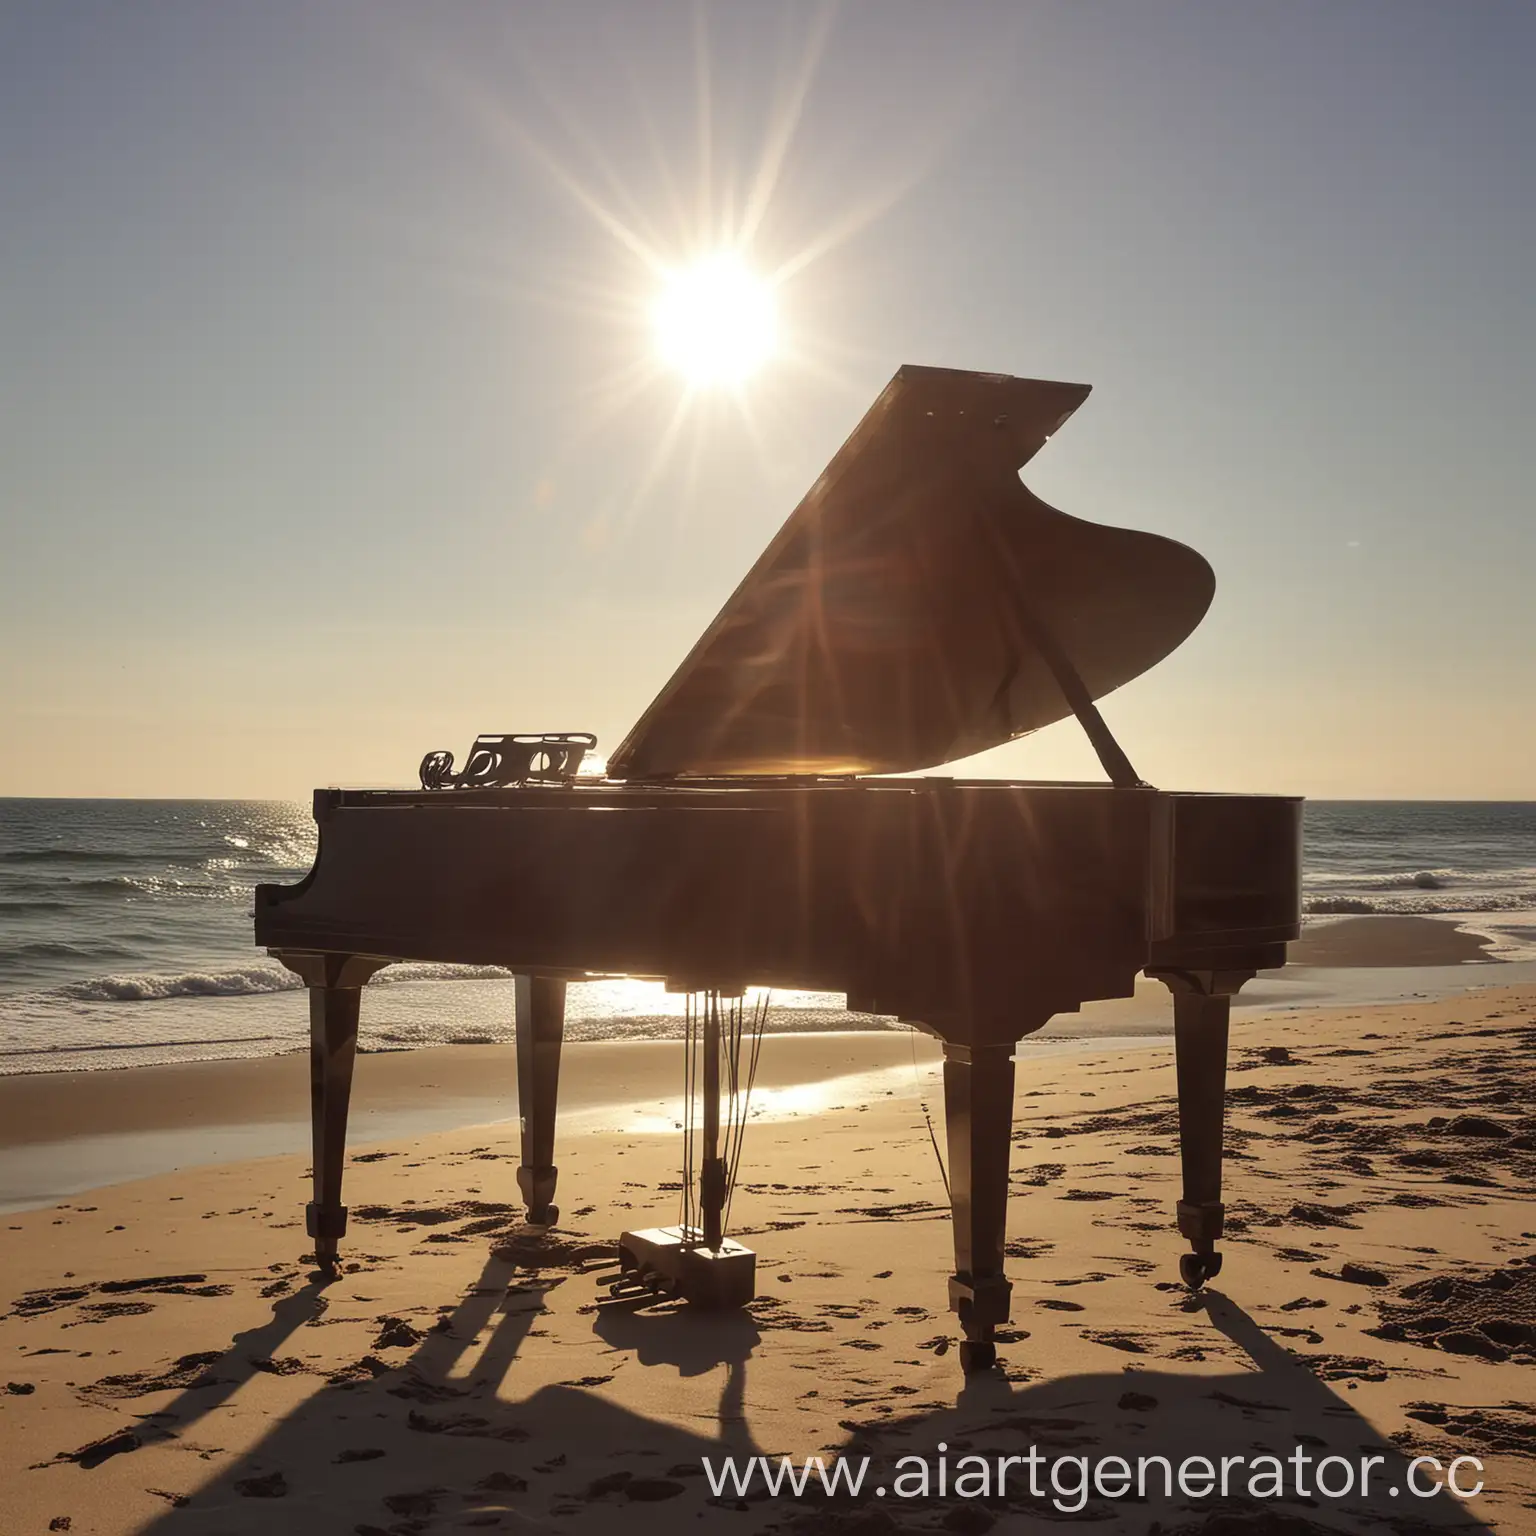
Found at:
(419, 1446)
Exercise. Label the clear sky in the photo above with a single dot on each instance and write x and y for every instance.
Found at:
(330, 428)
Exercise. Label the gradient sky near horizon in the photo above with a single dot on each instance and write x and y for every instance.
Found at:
(330, 431)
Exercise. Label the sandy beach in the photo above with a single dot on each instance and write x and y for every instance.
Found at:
(465, 1372)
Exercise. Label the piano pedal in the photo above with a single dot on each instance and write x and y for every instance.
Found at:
(649, 1288)
(713, 1278)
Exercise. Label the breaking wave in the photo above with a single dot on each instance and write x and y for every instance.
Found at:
(411, 970)
(1421, 879)
(247, 981)
(97, 1046)
(1428, 892)
(1419, 906)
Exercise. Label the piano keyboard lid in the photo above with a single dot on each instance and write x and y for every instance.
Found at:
(920, 604)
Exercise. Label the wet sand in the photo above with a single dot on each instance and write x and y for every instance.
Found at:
(474, 1080)
(1389, 941)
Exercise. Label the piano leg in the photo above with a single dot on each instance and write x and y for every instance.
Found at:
(1202, 1002)
(335, 985)
(540, 1029)
(333, 1013)
(978, 1120)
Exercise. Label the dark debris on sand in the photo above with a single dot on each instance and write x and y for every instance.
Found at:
(1492, 1315)
(1269, 1522)
(1357, 1128)
(95, 1452)
(194, 1370)
(866, 1516)
(1510, 1429)
(34, 1303)
(513, 1240)
(272, 1486)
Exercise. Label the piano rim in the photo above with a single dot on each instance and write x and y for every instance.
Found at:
(1215, 948)
(769, 789)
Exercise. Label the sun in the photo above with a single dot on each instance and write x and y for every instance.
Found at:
(715, 321)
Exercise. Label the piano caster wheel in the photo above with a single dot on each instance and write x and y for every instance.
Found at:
(1196, 1268)
(543, 1216)
(977, 1355)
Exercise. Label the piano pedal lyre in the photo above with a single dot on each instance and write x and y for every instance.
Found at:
(699, 1264)
(673, 1262)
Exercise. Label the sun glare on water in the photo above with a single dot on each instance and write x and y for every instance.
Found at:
(715, 322)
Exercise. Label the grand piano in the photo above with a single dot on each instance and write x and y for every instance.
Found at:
(768, 823)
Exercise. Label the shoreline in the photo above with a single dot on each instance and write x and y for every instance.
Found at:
(226, 1090)
(64, 1132)
(1345, 960)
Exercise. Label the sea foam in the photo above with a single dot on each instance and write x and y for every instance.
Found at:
(247, 981)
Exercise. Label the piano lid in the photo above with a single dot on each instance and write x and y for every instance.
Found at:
(921, 604)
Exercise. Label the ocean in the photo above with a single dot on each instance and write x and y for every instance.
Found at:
(125, 928)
